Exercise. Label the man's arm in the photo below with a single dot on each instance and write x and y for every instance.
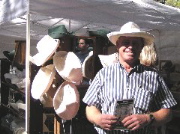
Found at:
(137, 121)
(162, 116)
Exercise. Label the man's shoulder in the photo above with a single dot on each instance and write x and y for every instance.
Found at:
(152, 70)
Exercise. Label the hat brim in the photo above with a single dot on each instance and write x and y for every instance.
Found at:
(107, 60)
(9, 55)
(46, 48)
(66, 101)
(46, 74)
(87, 66)
(148, 38)
(68, 66)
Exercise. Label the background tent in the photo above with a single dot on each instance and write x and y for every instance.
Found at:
(159, 19)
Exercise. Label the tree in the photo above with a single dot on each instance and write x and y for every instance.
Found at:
(174, 3)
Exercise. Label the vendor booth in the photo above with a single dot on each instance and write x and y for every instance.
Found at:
(27, 24)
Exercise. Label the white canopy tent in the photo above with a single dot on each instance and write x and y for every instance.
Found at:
(161, 20)
(37, 16)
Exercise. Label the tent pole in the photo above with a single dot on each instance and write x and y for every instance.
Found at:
(69, 25)
(27, 92)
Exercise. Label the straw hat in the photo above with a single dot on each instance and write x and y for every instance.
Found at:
(20, 130)
(131, 29)
(47, 98)
(42, 81)
(66, 101)
(46, 48)
(87, 66)
(107, 60)
(68, 65)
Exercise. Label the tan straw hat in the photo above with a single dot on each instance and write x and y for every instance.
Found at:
(68, 66)
(47, 98)
(87, 66)
(131, 29)
(46, 48)
(66, 101)
(107, 60)
(42, 81)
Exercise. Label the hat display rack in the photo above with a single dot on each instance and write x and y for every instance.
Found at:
(59, 72)
(65, 98)
(14, 84)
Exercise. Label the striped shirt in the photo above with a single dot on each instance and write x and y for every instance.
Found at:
(143, 84)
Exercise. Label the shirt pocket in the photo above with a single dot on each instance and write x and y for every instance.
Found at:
(142, 99)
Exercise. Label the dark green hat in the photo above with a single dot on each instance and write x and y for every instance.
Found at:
(57, 32)
(102, 33)
(9, 55)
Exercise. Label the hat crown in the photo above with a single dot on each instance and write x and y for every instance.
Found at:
(130, 27)
(58, 31)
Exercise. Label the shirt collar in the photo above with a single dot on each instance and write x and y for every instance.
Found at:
(136, 68)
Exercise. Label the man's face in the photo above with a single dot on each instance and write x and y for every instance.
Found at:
(82, 45)
(129, 48)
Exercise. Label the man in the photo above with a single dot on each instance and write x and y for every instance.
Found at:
(83, 46)
(128, 80)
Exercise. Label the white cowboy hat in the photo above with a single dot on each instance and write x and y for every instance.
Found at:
(47, 98)
(131, 29)
(87, 66)
(42, 81)
(66, 101)
(20, 130)
(18, 105)
(68, 66)
(107, 60)
(46, 48)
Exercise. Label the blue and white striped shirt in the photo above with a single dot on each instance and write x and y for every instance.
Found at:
(143, 84)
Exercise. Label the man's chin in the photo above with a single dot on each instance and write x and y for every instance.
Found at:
(130, 58)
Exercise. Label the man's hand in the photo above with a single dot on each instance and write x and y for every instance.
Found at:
(135, 121)
(106, 121)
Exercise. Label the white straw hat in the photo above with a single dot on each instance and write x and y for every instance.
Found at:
(66, 101)
(47, 98)
(131, 29)
(20, 130)
(68, 65)
(46, 48)
(87, 66)
(107, 60)
(42, 81)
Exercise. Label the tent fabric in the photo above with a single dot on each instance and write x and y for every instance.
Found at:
(146, 13)
(160, 19)
(11, 9)
(92, 14)
(109, 15)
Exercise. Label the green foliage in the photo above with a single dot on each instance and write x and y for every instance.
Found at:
(174, 3)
